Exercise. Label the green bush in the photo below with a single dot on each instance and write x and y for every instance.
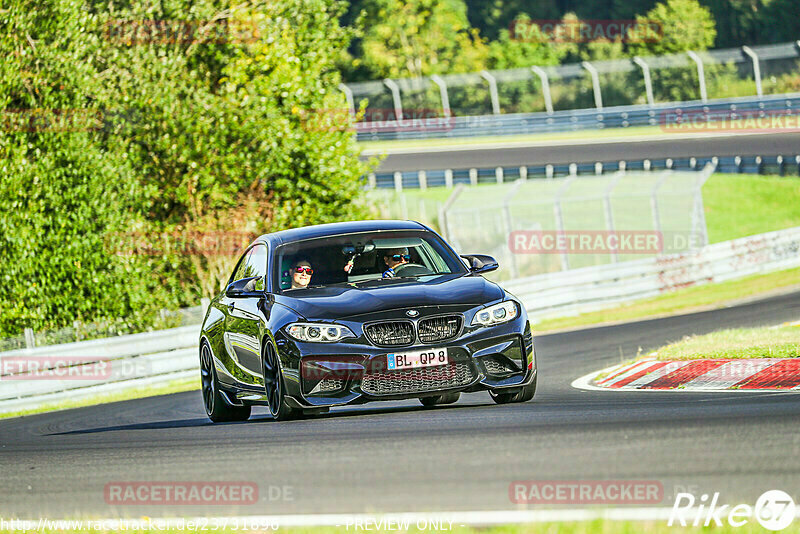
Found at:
(105, 138)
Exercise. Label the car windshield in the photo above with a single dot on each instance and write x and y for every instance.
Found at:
(366, 258)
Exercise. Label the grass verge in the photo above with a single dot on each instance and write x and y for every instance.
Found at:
(709, 296)
(175, 386)
(738, 343)
(587, 527)
(739, 205)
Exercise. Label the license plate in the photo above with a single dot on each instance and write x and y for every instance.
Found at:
(416, 359)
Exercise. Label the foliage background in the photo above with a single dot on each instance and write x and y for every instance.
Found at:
(173, 135)
(114, 147)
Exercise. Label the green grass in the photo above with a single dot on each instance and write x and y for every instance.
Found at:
(782, 342)
(175, 386)
(681, 301)
(588, 527)
(741, 205)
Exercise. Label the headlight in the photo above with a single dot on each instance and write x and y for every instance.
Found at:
(320, 333)
(497, 314)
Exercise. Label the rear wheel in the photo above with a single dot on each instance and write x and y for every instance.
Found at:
(217, 408)
(274, 387)
(523, 394)
(447, 398)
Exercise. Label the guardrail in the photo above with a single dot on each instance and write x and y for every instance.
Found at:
(75, 370)
(591, 288)
(782, 165)
(664, 115)
(394, 104)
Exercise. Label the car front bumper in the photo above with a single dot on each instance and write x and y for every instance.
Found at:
(323, 375)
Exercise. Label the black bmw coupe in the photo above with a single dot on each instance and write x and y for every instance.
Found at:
(354, 312)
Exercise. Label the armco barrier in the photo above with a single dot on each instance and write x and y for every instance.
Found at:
(656, 115)
(103, 365)
(591, 288)
(157, 357)
(778, 164)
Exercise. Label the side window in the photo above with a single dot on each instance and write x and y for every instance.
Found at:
(238, 274)
(254, 263)
(257, 265)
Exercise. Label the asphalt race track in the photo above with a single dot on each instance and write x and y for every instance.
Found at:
(773, 144)
(401, 457)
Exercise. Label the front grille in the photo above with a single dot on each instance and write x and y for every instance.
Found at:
(418, 380)
(390, 333)
(435, 329)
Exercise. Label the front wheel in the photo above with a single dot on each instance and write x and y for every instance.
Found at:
(274, 387)
(523, 394)
(217, 408)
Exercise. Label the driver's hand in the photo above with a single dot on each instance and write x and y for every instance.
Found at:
(348, 267)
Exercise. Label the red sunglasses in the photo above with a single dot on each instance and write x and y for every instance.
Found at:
(304, 269)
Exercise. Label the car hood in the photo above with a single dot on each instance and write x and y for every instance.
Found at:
(346, 300)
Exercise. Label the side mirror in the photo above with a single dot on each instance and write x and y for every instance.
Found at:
(480, 263)
(243, 288)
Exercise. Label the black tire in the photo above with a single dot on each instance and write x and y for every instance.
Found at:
(523, 394)
(274, 386)
(438, 400)
(217, 408)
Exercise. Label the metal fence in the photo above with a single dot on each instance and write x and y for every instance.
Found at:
(513, 221)
(592, 288)
(624, 92)
(668, 117)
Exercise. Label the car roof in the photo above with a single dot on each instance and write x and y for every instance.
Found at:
(339, 228)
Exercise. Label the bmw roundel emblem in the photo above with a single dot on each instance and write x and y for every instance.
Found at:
(412, 313)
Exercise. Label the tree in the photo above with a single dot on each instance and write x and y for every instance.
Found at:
(419, 38)
(524, 48)
(685, 25)
(781, 17)
(110, 142)
(491, 17)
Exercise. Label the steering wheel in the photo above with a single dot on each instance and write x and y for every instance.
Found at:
(413, 269)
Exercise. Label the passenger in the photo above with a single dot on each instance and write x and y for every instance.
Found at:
(301, 274)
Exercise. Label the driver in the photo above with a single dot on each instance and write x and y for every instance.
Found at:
(301, 274)
(393, 258)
